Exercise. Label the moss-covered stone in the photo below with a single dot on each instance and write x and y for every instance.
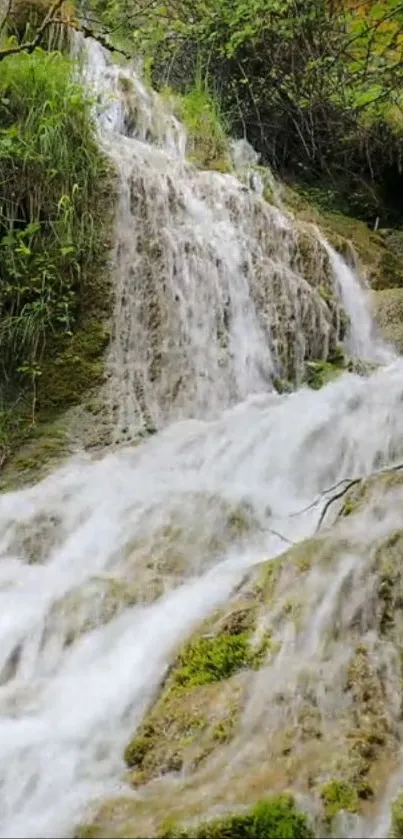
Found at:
(94, 604)
(396, 831)
(212, 659)
(337, 795)
(183, 729)
(320, 373)
(197, 709)
(388, 314)
(379, 252)
(274, 817)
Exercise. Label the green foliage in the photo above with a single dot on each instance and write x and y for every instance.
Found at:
(336, 796)
(396, 831)
(210, 659)
(275, 817)
(316, 87)
(54, 204)
(207, 139)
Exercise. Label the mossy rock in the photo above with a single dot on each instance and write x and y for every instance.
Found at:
(396, 829)
(95, 604)
(219, 734)
(320, 373)
(388, 313)
(337, 795)
(182, 730)
(379, 252)
(196, 711)
(274, 817)
(38, 449)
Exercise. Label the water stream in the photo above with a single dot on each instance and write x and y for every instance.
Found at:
(193, 358)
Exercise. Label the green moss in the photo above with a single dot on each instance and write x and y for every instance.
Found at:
(348, 508)
(338, 795)
(223, 731)
(320, 373)
(268, 578)
(77, 367)
(182, 729)
(87, 831)
(396, 831)
(282, 385)
(137, 749)
(275, 817)
(207, 660)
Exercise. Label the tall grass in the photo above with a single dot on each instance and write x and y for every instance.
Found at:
(55, 200)
(53, 184)
(199, 110)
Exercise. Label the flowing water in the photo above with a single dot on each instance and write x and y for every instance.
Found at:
(108, 564)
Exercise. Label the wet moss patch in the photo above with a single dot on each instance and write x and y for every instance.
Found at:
(338, 795)
(276, 817)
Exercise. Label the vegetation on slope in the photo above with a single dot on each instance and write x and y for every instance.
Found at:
(274, 817)
(55, 209)
(315, 86)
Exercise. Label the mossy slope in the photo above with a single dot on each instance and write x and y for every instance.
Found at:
(244, 712)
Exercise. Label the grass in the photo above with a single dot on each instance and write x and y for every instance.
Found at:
(275, 817)
(55, 211)
(207, 145)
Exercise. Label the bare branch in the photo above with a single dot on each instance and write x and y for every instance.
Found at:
(334, 498)
(89, 33)
(354, 482)
(280, 536)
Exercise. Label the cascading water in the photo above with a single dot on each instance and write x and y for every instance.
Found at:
(217, 291)
(362, 340)
(108, 564)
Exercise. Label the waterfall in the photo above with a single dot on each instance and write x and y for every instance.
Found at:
(108, 564)
(362, 339)
(217, 291)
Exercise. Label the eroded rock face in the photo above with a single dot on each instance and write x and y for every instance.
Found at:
(218, 292)
(388, 312)
(296, 684)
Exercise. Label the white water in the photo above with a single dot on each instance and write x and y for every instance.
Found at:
(74, 682)
(363, 342)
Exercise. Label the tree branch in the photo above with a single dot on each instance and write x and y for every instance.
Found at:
(30, 46)
(350, 484)
(50, 18)
(89, 33)
(5, 18)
